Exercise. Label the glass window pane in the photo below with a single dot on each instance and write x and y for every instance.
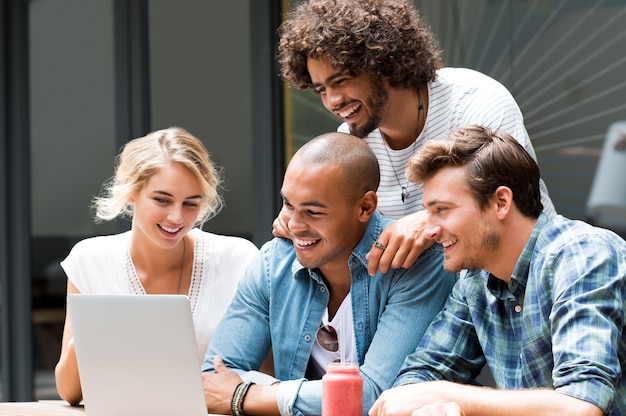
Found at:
(72, 148)
(205, 88)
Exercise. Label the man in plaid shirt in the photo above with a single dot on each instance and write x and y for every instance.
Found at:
(542, 301)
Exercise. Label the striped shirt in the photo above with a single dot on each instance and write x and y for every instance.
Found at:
(458, 97)
(559, 323)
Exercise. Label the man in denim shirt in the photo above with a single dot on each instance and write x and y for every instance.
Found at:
(317, 278)
(544, 304)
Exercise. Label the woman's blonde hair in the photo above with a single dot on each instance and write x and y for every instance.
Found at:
(143, 157)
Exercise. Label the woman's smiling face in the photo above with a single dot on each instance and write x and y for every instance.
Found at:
(168, 205)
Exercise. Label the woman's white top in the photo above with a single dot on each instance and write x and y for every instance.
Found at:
(102, 265)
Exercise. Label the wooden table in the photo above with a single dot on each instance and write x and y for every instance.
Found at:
(42, 408)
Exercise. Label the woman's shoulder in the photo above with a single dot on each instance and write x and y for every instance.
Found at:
(101, 245)
(93, 262)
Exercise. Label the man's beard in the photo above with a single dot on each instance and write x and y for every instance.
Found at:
(490, 242)
(377, 104)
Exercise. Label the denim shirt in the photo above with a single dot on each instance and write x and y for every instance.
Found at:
(280, 304)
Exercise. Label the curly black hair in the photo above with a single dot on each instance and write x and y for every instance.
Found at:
(383, 38)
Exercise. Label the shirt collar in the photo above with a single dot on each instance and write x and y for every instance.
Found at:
(517, 283)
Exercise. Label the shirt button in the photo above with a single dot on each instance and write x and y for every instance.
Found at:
(307, 338)
(322, 289)
(518, 308)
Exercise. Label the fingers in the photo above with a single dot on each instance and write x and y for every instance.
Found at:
(397, 253)
(377, 408)
(279, 226)
(276, 226)
(399, 245)
(373, 410)
(439, 409)
(385, 254)
(373, 258)
(390, 404)
(416, 249)
(392, 251)
(433, 409)
(218, 364)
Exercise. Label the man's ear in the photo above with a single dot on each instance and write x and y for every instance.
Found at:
(503, 201)
(367, 205)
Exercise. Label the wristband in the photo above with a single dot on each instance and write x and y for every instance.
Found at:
(236, 403)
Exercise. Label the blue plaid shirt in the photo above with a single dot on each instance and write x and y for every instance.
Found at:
(559, 323)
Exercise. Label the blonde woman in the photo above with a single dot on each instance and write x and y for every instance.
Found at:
(167, 185)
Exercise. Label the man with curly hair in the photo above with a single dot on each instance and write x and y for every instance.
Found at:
(379, 69)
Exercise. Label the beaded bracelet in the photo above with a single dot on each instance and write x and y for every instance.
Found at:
(236, 403)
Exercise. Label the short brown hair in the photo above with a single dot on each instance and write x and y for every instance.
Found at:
(491, 158)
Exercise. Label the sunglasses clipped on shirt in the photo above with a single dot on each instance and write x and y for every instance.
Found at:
(327, 339)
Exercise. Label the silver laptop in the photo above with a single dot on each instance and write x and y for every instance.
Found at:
(137, 355)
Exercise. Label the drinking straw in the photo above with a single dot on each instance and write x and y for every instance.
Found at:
(342, 342)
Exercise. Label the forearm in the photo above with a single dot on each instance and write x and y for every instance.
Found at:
(261, 400)
(481, 401)
(486, 401)
(67, 378)
(224, 390)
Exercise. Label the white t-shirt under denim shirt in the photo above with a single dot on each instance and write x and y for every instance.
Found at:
(343, 324)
